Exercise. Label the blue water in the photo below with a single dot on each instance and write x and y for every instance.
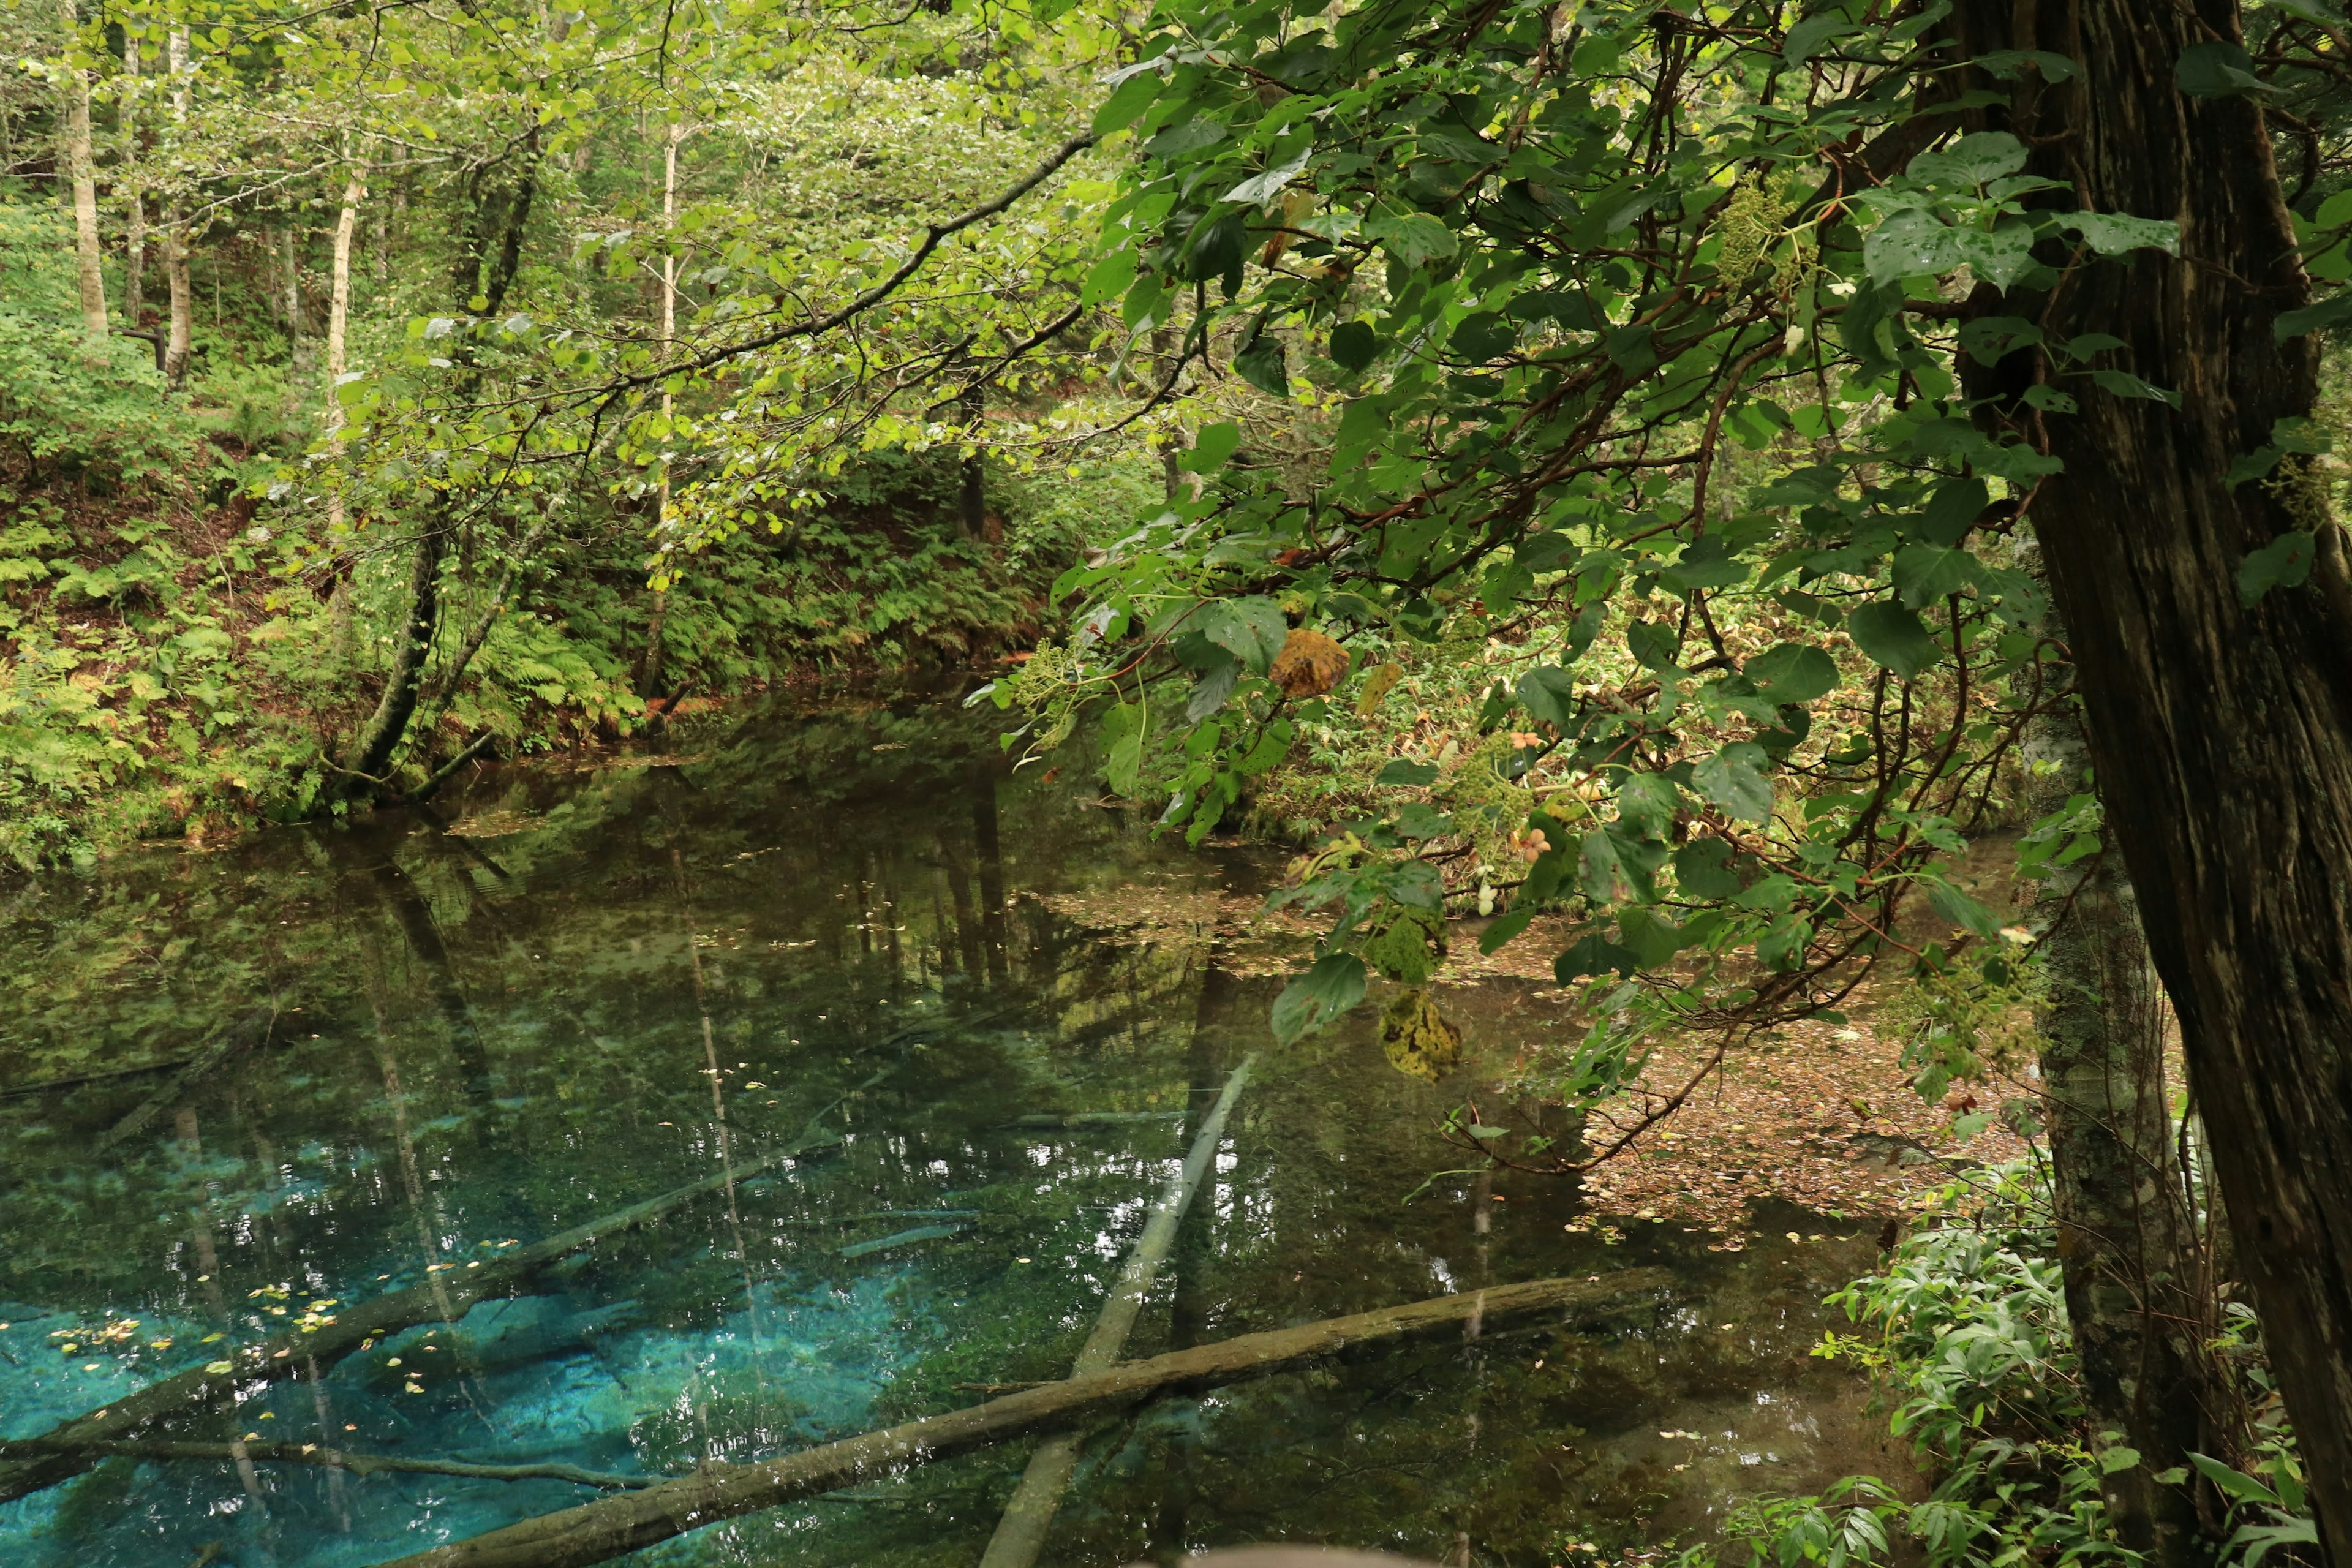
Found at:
(612, 981)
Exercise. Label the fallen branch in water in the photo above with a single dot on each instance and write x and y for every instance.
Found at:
(234, 1040)
(333, 1459)
(600, 1531)
(66, 1450)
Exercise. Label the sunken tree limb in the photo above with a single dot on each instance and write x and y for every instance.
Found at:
(337, 1459)
(600, 1531)
(2221, 731)
(66, 1450)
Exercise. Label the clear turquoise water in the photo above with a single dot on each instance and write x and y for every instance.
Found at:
(476, 1039)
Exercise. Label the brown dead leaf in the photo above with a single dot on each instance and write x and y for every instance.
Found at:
(1309, 664)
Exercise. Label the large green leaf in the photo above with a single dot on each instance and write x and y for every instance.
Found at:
(1892, 636)
(1334, 985)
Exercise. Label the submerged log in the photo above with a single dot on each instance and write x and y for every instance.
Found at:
(1021, 1533)
(66, 1448)
(598, 1531)
(334, 1459)
(234, 1040)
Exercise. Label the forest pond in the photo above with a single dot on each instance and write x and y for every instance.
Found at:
(250, 1089)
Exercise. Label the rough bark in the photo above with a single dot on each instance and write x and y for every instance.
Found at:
(2128, 1247)
(83, 181)
(601, 1530)
(2222, 732)
(66, 1450)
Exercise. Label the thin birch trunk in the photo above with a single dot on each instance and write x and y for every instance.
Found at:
(84, 183)
(134, 260)
(181, 335)
(338, 309)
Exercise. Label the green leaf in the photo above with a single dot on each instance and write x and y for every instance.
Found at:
(1960, 909)
(1733, 779)
(1549, 692)
(1410, 775)
(2001, 257)
(1652, 644)
(1954, 510)
(2217, 71)
(1892, 636)
(1415, 820)
(2124, 383)
(1924, 574)
(1910, 243)
(2118, 233)
(1263, 189)
(2235, 1483)
(1703, 869)
(2329, 313)
(1252, 629)
(1593, 955)
(2284, 563)
(1792, 672)
(1649, 937)
(2118, 1457)
(1413, 239)
(1978, 159)
(2010, 64)
(1809, 37)
(1326, 992)
(1354, 345)
(1128, 100)
(1212, 445)
(1504, 927)
(1114, 274)
(1261, 363)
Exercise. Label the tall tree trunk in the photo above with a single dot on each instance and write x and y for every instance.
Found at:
(2134, 1271)
(372, 753)
(490, 255)
(338, 311)
(2222, 732)
(84, 182)
(181, 335)
(134, 262)
(649, 666)
(135, 247)
(971, 507)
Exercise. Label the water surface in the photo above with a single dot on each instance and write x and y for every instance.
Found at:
(839, 922)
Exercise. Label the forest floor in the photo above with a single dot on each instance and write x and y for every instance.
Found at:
(1821, 1114)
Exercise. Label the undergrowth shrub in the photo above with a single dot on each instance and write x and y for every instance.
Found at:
(1965, 1335)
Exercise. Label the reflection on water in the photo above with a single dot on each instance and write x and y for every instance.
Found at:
(247, 1089)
